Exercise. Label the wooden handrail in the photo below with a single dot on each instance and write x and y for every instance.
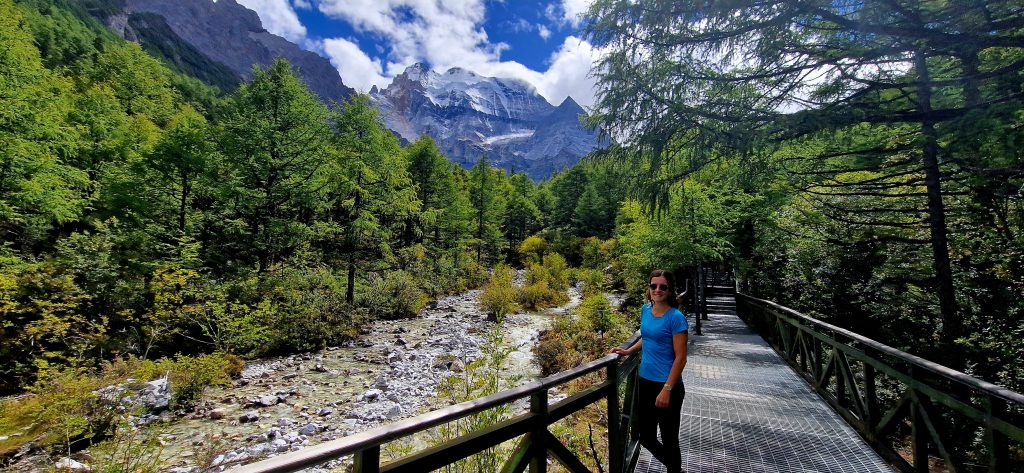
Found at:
(375, 437)
(945, 371)
(943, 409)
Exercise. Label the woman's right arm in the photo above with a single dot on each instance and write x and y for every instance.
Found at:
(628, 351)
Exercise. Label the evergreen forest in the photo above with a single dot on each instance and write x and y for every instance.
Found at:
(862, 162)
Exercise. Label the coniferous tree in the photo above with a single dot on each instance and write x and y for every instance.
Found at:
(275, 139)
(485, 190)
(372, 198)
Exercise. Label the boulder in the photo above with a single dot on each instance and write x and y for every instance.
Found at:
(217, 413)
(67, 464)
(266, 400)
(372, 394)
(251, 416)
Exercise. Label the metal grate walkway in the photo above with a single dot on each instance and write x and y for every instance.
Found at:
(747, 411)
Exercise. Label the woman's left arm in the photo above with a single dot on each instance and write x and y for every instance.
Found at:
(679, 344)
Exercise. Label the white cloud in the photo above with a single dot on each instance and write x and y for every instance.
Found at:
(573, 10)
(278, 17)
(569, 73)
(357, 69)
(449, 33)
(302, 4)
(544, 32)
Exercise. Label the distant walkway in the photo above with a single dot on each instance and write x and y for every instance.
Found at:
(747, 411)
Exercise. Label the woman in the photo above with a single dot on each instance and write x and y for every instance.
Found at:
(663, 335)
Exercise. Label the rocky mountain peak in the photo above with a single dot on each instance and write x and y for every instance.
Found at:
(231, 34)
(470, 115)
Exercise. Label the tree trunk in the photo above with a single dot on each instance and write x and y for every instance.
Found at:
(951, 323)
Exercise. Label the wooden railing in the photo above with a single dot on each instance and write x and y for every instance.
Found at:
(532, 450)
(911, 410)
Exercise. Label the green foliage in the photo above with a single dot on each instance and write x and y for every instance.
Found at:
(130, 450)
(275, 141)
(190, 376)
(481, 377)
(393, 296)
(594, 281)
(547, 283)
(66, 408)
(499, 295)
(597, 313)
(486, 192)
(532, 249)
(586, 334)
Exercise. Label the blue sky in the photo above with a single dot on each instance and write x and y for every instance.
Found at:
(371, 41)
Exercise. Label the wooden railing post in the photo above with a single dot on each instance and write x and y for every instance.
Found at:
(999, 451)
(615, 440)
(367, 461)
(539, 457)
(870, 398)
(918, 430)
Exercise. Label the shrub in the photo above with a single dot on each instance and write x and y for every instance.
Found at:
(538, 295)
(499, 296)
(395, 295)
(546, 283)
(130, 450)
(532, 249)
(190, 376)
(590, 250)
(597, 313)
(69, 407)
(594, 281)
(305, 309)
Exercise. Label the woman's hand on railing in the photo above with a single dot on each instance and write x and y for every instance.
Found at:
(619, 351)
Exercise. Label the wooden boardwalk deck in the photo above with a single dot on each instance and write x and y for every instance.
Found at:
(747, 411)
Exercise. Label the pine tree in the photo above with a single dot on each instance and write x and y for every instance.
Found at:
(275, 140)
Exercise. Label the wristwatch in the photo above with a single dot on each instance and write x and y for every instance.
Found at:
(668, 387)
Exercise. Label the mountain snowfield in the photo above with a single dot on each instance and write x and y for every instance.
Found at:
(470, 116)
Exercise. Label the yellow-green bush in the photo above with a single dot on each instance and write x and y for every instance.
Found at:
(393, 296)
(499, 296)
(532, 249)
(597, 313)
(594, 281)
(547, 283)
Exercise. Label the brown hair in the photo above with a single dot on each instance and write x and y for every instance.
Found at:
(671, 278)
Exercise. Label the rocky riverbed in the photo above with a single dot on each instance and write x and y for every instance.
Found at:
(392, 371)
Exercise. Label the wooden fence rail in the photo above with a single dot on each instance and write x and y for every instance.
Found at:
(532, 450)
(910, 409)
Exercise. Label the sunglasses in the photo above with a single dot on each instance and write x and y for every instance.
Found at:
(663, 287)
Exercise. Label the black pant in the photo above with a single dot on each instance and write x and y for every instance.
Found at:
(650, 418)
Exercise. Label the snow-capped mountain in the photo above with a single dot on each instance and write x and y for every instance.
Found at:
(470, 115)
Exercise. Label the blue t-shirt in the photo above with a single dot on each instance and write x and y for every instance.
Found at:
(658, 353)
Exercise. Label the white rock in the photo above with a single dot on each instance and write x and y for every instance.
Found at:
(71, 465)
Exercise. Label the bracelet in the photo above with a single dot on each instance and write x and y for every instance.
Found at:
(667, 387)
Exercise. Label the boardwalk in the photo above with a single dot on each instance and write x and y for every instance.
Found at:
(747, 411)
